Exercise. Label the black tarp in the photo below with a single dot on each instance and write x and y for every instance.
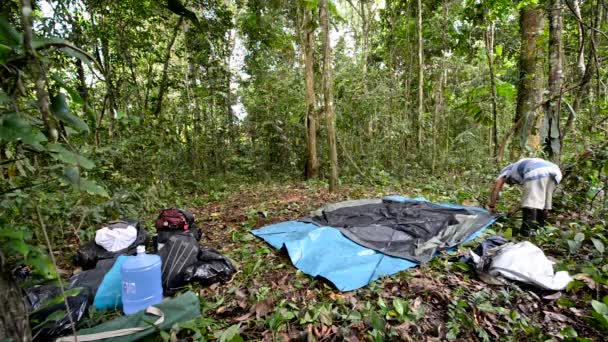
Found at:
(412, 230)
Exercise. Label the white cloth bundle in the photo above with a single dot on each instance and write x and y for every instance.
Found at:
(116, 238)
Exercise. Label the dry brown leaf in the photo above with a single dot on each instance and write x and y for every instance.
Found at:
(577, 312)
(240, 293)
(335, 296)
(556, 295)
(244, 317)
(403, 330)
(416, 304)
(490, 328)
(262, 308)
(586, 279)
(554, 316)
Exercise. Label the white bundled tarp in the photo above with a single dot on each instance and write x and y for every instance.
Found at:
(523, 262)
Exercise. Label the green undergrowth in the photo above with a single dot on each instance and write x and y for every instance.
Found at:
(269, 299)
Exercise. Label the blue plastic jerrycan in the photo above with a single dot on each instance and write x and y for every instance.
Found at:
(141, 281)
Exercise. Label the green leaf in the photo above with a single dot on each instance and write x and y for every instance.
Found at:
(569, 332)
(579, 237)
(12, 234)
(14, 128)
(311, 4)
(566, 302)
(61, 109)
(72, 175)
(20, 247)
(231, 334)
(76, 54)
(381, 303)
(5, 51)
(600, 307)
(498, 50)
(42, 264)
(398, 304)
(573, 246)
(92, 188)
(8, 35)
(377, 322)
(74, 95)
(62, 154)
(599, 245)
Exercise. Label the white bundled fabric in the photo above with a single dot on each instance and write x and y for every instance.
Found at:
(116, 238)
(526, 263)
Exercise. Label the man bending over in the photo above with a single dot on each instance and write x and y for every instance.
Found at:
(539, 179)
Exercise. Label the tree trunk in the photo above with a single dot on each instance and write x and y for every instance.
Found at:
(489, 40)
(13, 317)
(328, 96)
(530, 87)
(580, 60)
(312, 161)
(551, 128)
(419, 113)
(163, 83)
(37, 70)
(582, 94)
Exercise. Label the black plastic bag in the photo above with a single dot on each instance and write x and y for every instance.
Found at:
(185, 261)
(92, 278)
(88, 255)
(210, 268)
(51, 319)
(37, 295)
(179, 252)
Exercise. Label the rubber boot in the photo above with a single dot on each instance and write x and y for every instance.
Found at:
(541, 217)
(528, 221)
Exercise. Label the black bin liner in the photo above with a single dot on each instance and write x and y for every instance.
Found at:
(88, 255)
(49, 318)
(211, 267)
(185, 261)
(92, 278)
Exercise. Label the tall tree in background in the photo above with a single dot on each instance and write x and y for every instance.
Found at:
(530, 88)
(551, 129)
(489, 42)
(418, 116)
(328, 97)
(308, 37)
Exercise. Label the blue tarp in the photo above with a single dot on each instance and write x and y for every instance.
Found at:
(325, 252)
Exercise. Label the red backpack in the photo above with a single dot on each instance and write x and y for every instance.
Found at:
(173, 219)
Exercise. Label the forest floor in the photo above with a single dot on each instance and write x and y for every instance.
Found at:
(269, 299)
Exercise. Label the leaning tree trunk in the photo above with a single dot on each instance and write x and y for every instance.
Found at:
(312, 161)
(37, 70)
(529, 111)
(328, 96)
(551, 128)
